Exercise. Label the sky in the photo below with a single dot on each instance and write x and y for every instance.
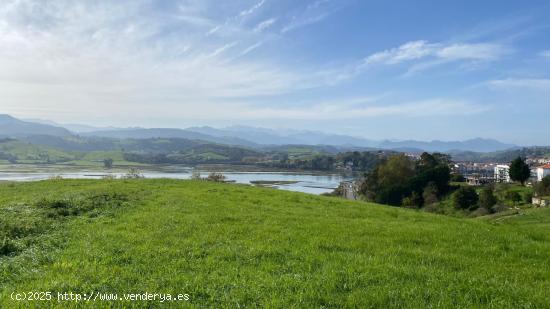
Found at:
(425, 70)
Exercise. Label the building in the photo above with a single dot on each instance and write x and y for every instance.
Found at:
(502, 173)
(543, 171)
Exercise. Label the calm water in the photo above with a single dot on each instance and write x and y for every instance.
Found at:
(308, 183)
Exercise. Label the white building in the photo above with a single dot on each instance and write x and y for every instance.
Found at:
(502, 173)
(543, 171)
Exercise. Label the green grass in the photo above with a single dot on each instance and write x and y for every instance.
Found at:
(28, 154)
(237, 246)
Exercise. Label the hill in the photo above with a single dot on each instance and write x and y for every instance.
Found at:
(140, 133)
(12, 127)
(501, 156)
(243, 136)
(237, 246)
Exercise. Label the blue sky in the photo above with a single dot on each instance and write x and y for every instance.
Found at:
(447, 70)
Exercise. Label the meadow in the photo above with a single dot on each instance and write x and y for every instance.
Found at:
(229, 246)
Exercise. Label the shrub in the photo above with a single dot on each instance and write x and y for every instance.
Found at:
(528, 198)
(108, 163)
(458, 178)
(513, 196)
(430, 194)
(465, 198)
(216, 177)
(487, 199)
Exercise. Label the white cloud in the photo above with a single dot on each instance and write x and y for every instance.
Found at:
(409, 51)
(251, 10)
(482, 52)
(510, 83)
(358, 110)
(313, 13)
(265, 25)
(436, 53)
(251, 48)
(102, 57)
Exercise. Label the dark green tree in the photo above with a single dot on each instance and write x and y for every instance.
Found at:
(430, 194)
(519, 170)
(542, 188)
(108, 163)
(465, 198)
(487, 199)
(513, 196)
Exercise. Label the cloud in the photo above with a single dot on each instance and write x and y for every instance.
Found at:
(416, 50)
(356, 110)
(251, 48)
(512, 83)
(116, 59)
(265, 24)
(251, 10)
(313, 13)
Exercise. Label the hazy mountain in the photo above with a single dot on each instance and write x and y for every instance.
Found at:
(73, 127)
(245, 136)
(141, 133)
(477, 145)
(13, 127)
(265, 136)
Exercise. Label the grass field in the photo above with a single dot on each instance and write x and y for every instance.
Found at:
(234, 246)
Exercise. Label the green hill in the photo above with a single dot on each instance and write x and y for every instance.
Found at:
(235, 246)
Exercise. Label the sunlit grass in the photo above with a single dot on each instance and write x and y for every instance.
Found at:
(232, 246)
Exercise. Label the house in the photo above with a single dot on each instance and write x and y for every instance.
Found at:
(543, 171)
(502, 173)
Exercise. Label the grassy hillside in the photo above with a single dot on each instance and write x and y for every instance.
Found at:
(236, 246)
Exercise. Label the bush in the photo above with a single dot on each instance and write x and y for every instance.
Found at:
(465, 198)
(458, 178)
(528, 198)
(216, 177)
(542, 188)
(430, 194)
(108, 163)
(487, 199)
(513, 196)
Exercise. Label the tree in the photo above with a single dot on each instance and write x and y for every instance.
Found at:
(465, 198)
(108, 163)
(458, 178)
(543, 187)
(389, 182)
(430, 194)
(519, 170)
(487, 199)
(513, 196)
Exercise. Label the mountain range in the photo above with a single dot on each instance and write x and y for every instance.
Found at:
(251, 137)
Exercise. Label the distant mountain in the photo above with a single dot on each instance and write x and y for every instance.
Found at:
(141, 133)
(73, 127)
(13, 127)
(263, 136)
(477, 145)
(245, 136)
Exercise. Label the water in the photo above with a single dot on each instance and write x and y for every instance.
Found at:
(307, 183)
